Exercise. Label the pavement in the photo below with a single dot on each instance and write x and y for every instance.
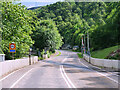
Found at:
(64, 71)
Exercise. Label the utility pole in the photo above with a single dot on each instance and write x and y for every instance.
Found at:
(82, 47)
(88, 46)
(84, 44)
(88, 43)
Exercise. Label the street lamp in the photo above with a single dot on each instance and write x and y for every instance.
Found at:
(30, 56)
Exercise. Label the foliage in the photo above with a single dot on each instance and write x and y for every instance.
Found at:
(48, 24)
(59, 53)
(80, 55)
(74, 19)
(47, 35)
(48, 54)
(42, 53)
(17, 27)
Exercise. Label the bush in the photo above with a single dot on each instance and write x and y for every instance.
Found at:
(42, 53)
(48, 54)
(52, 50)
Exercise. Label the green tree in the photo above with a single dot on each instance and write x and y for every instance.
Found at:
(46, 35)
(17, 27)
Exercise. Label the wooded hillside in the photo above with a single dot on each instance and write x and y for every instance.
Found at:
(74, 19)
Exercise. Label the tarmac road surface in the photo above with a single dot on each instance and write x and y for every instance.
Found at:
(64, 71)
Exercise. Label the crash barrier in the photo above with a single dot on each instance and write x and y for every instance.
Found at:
(2, 57)
(11, 65)
(107, 63)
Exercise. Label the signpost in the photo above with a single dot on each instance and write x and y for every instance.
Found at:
(12, 48)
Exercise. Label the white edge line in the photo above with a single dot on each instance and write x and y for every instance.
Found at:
(9, 75)
(100, 73)
(21, 78)
(108, 72)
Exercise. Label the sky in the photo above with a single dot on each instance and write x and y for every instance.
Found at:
(35, 3)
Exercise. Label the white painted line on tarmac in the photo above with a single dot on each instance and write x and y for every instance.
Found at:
(21, 78)
(9, 75)
(99, 72)
(105, 70)
(66, 78)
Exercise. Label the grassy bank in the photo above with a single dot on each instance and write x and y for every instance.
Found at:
(103, 53)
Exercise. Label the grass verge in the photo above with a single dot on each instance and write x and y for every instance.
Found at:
(102, 54)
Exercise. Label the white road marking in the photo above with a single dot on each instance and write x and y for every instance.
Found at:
(99, 72)
(20, 78)
(105, 70)
(66, 78)
(9, 75)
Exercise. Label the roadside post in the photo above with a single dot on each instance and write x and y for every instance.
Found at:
(30, 56)
(12, 49)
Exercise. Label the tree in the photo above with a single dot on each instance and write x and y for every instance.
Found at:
(17, 27)
(46, 35)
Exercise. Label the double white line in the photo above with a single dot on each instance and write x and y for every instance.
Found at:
(66, 78)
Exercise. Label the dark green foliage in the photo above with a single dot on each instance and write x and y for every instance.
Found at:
(74, 19)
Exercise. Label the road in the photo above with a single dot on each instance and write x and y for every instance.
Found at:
(64, 71)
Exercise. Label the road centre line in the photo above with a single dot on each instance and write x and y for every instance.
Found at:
(65, 77)
(99, 72)
(21, 78)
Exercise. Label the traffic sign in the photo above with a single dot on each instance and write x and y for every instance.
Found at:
(12, 48)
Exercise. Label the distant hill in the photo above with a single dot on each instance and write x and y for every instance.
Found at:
(33, 8)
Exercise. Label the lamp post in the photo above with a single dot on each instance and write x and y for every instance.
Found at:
(30, 56)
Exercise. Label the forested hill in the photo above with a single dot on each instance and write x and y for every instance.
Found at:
(73, 19)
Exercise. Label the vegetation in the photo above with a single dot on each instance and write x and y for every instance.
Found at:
(49, 26)
(59, 53)
(46, 35)
(16, 27)
(74, 19)
(22, 27)
(80, 55)
(104, 52)
(114, 55)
